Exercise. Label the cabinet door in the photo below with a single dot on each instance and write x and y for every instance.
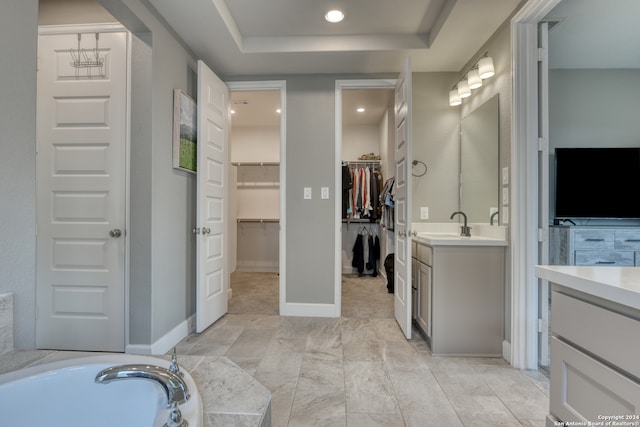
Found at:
(423, 316)
(619, 258)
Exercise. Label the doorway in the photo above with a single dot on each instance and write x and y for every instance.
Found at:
(256, 181)
(365, 151)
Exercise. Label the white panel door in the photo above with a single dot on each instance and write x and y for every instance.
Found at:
(213, 158)
(81, 170)
(402, 198)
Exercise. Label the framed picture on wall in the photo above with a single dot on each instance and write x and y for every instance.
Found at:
(185, 138)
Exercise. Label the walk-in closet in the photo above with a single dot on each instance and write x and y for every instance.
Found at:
(255, 182)
(367, 190)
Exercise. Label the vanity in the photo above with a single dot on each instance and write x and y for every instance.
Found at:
(459, 291)
(595, 342)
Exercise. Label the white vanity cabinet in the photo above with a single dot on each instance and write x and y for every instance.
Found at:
(460, 298)
(604, 246)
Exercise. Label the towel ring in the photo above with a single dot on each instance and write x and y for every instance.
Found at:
(415, 163)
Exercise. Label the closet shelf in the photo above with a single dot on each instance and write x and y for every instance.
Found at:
(360, 221)
(255, 163)
(258, 184)
(260, 220)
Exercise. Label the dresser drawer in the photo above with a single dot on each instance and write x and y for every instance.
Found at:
(599, 331)
(593, 239)
(618, 258)
(627, 239)
(582, 388)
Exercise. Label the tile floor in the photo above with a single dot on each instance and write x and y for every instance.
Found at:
(359, 370)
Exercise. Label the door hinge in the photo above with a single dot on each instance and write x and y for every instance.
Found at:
(542, 325)
(543, 144)
(542, 235)
(542, 54)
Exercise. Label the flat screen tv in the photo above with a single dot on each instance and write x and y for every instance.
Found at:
(597, 182)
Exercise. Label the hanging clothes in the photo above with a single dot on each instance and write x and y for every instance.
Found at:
(358, 255)
(347, 184)
(362, 200)
(386, 199)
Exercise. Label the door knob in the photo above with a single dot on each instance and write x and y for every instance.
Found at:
(116, 232)
(206, 230)
(196, 230)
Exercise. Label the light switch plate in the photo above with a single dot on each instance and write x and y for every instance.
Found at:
(307, 193)
(505, 175)
(424, 212)
(324, 192)
(505, 196)
(505, 214)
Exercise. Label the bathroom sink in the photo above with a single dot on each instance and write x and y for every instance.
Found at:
(452, 239)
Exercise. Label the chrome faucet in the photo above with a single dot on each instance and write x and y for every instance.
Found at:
(173, 385)
(493, 215)
(464, 230)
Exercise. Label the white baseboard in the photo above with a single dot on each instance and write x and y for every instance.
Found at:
(310, 310)
(167, 342)
(506, 351)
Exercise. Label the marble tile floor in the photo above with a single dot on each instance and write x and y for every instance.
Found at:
(359, 370)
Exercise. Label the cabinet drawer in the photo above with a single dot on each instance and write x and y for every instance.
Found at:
(627, 239)
(593, 239)
(619, 258)
(425, 254)
(583, 388)
(609, 335)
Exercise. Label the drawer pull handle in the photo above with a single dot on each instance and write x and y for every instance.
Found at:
(605, 262)
(632, 240)
(594, 240)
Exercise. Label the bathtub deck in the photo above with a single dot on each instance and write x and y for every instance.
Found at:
(230, 396)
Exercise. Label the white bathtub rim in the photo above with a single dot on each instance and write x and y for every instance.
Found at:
(194, 403)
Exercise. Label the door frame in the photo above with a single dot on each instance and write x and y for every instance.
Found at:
(111, 28)
(340, 86)
(280, 85)
(524, 189)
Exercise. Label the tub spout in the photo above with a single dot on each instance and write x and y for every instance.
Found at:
(173, 385)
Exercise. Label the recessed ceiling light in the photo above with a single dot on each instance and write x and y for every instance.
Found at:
(278, 111)
(233, 111)
(334, 16)
(360, 110)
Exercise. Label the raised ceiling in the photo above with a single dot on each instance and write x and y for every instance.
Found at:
(262, 37)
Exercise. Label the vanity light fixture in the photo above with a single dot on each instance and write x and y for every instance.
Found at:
(463, 89)
(482, 70)
(334, 16)
(485, 67)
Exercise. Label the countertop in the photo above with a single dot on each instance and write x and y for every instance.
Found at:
(448, 239)
(617, 284)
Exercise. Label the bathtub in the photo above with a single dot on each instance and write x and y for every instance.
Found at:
(64, 393)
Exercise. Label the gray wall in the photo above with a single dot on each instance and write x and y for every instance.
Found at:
(310, 162)
(436, 142)
(162, 198)
(18, 41)
(589, 108)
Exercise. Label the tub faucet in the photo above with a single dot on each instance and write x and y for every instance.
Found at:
(464, 230)
(173, 385)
